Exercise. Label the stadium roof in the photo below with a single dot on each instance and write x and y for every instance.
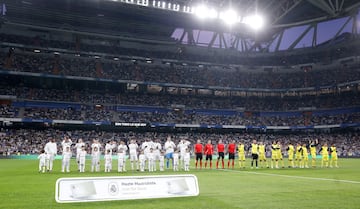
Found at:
(130, 18)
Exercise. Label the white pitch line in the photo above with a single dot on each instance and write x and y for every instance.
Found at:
(297, 177)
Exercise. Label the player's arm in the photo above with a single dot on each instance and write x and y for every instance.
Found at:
(320, 150)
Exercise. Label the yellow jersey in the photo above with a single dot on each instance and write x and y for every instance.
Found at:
(324, 150)
(261, 149)
(241, 148)
(291, 150)
(254, 149)
(333, 150)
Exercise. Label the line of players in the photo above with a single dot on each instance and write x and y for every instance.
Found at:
(152, 152)
(298, 156)
(149, 156)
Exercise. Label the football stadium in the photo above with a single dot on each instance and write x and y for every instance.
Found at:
(179, 104)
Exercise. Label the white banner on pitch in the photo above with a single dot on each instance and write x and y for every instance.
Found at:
(124, 188)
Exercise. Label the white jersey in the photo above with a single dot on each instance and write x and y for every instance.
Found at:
(182, 146)
(133, 147)
(51, 148)
(97, 145)
(79, 146)
(109, 147)
(147, 145)
(169, 147)
(66, 144)
(42, 159)
(123, 147)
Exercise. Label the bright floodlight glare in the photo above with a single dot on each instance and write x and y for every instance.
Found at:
(256, 22)
(204, 12)
(201, 11)
(229, 17)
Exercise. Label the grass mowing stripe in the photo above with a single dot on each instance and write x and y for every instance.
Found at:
(289, 176)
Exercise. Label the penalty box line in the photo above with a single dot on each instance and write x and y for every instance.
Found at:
(296, 177)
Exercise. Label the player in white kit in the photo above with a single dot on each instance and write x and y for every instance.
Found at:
(110, 146)
(95, 159)
(182, 146)
(66, 143)
(82, 159)
(78, 146)
(51, 151)
(151, 160)
(122, 146)
(42, 161)
(176, 158)
(133, 147)
(157, 148)
(108, 161)
(187, 160)
(142, 161)
(66, 157)
(169, 150)
(121, 160)
(161, 161)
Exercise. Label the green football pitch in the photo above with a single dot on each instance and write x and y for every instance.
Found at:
(21, 186)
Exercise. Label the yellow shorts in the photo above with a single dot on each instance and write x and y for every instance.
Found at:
(325, 157)
(242, 156)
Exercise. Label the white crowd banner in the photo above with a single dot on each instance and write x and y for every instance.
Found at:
(89, 189)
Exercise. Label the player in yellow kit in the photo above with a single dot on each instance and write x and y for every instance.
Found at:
(324, 155)
(241, 154)
(305, 157)
(254, 154)
(274, 155)
(290, 149)
(334, 156)
(262, 155)
(298, 155)
(279, 150)
(313, 145)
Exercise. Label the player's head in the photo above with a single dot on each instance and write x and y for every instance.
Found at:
(209, 142)
(67, 149)
(108, 152)
(254, 141)
(261, 143)
(198, 141)
(80, 140)
(168, 138)
(220, 141)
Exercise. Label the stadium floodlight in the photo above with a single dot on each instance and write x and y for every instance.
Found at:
(203, 11)
(229, 17)
(256, 22)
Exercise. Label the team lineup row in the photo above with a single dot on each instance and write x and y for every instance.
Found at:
(178, 156)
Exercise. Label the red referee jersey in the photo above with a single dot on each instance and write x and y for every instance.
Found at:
(221, 147)
(209, 149)
(198, 148)
(231, 148)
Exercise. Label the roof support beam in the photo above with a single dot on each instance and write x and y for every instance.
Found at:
(323, 5)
